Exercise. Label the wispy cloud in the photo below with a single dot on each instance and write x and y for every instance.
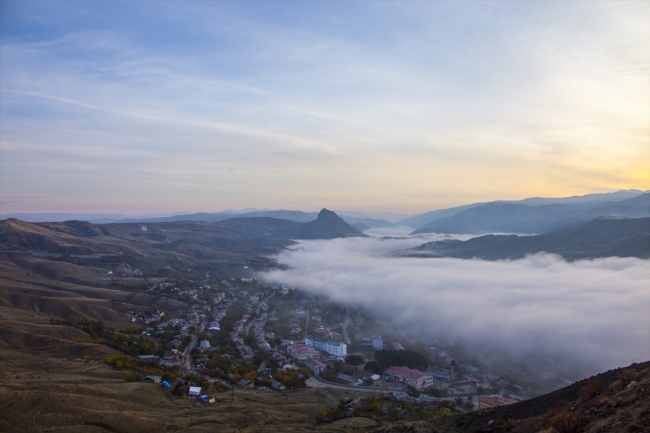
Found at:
(360, 98)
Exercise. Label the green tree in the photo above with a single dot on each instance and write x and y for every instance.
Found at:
(354, 360)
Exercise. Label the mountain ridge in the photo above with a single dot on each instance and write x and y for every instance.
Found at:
(507, 217)
(600, 237)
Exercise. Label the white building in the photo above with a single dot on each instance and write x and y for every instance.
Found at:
(440, 374)
(335, 348)
(377, 342)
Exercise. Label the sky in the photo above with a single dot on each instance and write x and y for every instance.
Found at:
(155, 107)
(582, 317)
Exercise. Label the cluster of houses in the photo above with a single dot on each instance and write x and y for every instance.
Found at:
(326, 333)
(145, 319)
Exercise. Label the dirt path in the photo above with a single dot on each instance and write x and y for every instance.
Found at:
(49, 400)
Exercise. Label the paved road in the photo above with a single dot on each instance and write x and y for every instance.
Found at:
(187, 357)
(257, 312)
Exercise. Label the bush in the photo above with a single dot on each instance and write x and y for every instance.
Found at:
(328, 414)
(569, 421)
(591, 389)
(509, 425)
(530, 425)
(627, 376)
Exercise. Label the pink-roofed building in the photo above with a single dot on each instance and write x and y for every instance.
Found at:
(412, 377)
(486, 401)
(302, 351)
(321, 331)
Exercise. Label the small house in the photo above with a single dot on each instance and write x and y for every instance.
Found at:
(151, 379)
(245, 384)
(277, 385)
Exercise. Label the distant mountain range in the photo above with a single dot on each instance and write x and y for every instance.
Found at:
(530, 215)
(427, 218)
(508, 217)
(291, 215)
(601, 237)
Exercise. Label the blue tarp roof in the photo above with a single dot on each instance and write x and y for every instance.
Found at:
(165, 384)
(203, 397)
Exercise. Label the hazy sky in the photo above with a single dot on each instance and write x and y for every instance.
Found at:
(586, 316)
(144, 107)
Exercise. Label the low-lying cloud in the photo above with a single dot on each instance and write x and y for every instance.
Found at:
(586, 316)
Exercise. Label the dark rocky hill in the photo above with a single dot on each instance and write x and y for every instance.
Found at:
(328, 225)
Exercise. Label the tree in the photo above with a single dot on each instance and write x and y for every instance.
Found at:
(374, 367)
(354, 360)
(406, 358)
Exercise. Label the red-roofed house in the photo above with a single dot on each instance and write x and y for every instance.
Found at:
(493, 401)
(302, 351)
(412, 377)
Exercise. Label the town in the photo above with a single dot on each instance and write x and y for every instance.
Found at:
(244, 333)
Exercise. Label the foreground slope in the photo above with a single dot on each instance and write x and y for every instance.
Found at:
(614, 401)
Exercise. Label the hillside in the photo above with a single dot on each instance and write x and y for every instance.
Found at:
(601, 237)
(614, 401)
(500, 217)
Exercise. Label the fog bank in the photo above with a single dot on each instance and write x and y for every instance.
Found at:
(591, 315)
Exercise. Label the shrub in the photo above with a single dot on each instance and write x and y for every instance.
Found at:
(530, 425)
(509, 425)
(569, 421)
(592, 388)
(627, 376)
